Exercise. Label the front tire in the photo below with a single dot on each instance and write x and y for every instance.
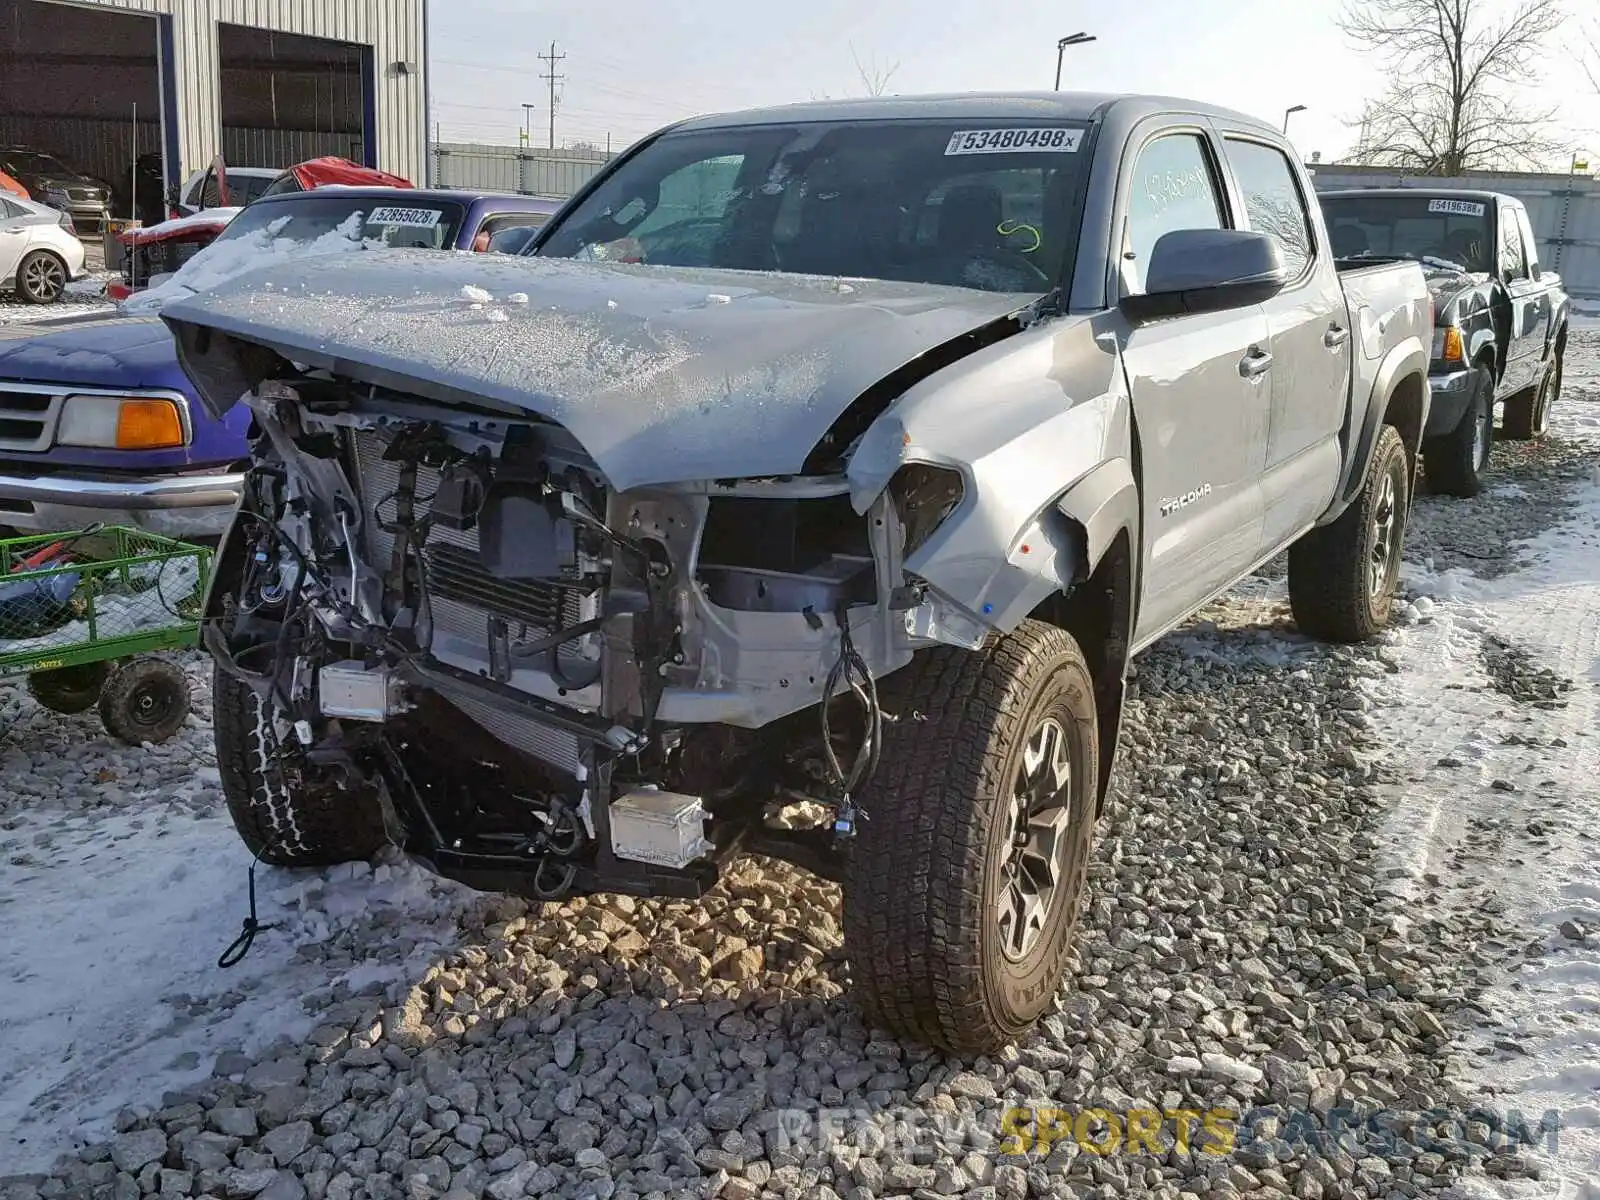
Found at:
(41, 278)
(1342, 577)
(286, 812)
(1456, 461)
(964, 884)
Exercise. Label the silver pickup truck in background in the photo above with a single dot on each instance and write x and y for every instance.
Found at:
(842, 452)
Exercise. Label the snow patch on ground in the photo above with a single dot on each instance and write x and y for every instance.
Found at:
(112, 993)
(1500, 795)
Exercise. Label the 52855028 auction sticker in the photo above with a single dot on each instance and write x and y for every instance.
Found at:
(1015, 141)
(419, 218)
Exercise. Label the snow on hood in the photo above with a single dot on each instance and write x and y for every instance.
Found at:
(663, 374)
(227, 259)
(206, 218)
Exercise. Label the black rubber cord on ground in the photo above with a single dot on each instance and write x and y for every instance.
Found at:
(240, 946)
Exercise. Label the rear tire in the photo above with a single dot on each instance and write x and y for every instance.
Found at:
(1342, 577)
(1528, 416)
(69, 690)
(1456, 462)
(286, 813)
(963, 886)
(145, 700)
(41, 278)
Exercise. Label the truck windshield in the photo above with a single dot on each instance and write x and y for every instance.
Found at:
(1435, 230)
(976, 204)
(403, 222)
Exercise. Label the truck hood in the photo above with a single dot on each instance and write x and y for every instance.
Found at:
(662, 374)
(102, 350)
(1445, 285)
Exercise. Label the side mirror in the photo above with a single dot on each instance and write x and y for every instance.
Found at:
(1207, 270)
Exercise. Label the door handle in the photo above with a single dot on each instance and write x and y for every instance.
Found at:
(1255, 363)
(1336, 336)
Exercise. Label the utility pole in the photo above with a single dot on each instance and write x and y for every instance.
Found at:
(527, 125)
(552, 58)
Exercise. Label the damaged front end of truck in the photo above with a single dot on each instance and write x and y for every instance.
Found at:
(579, 602)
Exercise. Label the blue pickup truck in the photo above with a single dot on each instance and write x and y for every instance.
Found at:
(99, 423)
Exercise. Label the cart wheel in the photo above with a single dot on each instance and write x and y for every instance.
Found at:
(145, 700)
(69, 689)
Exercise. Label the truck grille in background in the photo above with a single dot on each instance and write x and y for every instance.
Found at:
(463, 598)
(27, 417)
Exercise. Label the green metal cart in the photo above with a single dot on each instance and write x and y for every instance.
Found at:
(86, 616)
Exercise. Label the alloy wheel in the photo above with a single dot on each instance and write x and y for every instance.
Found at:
(1385, 536)
(1042, 819)
(43, 278)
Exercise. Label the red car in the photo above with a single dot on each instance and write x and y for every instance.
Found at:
(162, 249)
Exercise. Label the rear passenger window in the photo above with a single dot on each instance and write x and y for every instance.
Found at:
(1273, 201)
(1173, 188)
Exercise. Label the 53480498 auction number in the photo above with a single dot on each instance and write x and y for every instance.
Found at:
(1012, 141)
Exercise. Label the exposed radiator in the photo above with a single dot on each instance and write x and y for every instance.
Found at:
(464, 598)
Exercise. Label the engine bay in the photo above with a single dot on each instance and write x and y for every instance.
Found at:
(559, 687)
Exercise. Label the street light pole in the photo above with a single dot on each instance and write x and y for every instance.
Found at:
(527, 127)
(1072, 39)
(1289, 112)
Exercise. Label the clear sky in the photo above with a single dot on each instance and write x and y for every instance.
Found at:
(633, 65)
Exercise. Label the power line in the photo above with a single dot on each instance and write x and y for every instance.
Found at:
(552, 58)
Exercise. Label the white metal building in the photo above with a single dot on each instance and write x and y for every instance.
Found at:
(263, 82)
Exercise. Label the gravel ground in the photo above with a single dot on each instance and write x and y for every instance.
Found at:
(1241, 950)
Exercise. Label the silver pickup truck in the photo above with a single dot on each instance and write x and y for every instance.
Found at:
(837, 453)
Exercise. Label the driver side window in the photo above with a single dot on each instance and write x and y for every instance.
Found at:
(1173, 187)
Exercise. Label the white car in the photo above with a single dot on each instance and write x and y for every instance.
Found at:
(245, 184)
(39, 252)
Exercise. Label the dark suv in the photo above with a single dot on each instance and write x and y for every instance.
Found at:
(52, 182)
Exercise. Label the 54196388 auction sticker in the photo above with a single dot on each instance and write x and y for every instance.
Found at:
(1014, 141)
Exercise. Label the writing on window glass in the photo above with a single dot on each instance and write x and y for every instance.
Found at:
(1165, 188)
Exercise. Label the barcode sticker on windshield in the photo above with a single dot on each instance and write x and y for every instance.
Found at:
(1465, 208)
(420, 218)
(1014, 141)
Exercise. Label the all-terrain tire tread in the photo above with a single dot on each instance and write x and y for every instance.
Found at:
(914, 891)
(1328, 567)
(305, 826)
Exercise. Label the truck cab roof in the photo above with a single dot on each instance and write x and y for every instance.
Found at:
(1020, 105)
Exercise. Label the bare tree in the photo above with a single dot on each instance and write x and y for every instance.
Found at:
(1456, 66)
(873, 77)
(1589, 55)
